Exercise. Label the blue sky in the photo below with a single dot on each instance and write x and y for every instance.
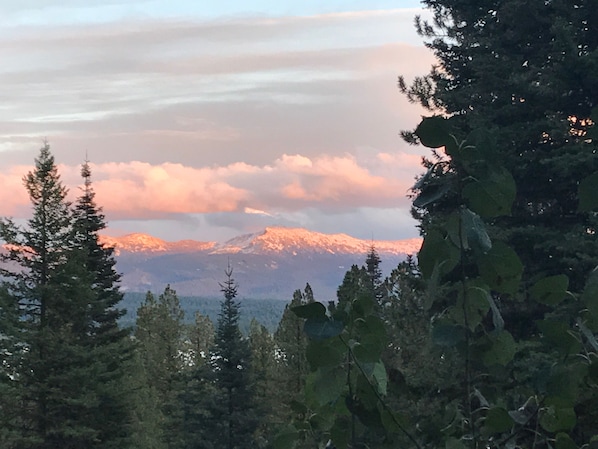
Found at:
(208, 119)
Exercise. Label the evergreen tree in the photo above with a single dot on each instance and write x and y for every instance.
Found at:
(159, 333)
(374, 272)
(292, 367)
(263, 370)
(112, 345)
(518, 80)
(11, 353)
(235, 413)
(61, 372)
(291, 344)
(200, 338)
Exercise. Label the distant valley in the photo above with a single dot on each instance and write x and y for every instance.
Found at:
(270, 264)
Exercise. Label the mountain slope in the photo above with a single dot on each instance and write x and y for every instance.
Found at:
(268, 264)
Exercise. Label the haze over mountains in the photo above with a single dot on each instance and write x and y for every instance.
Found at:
(268, 264)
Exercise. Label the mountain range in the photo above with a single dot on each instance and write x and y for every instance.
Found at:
(270, 264)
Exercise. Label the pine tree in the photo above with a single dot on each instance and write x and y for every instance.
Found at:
(159, 333)
(291, 343)
(374, 272)
(232, 364)
(49, 281)
(112, 345)
(519, 81)
(263, 382)
(11, 353)
(200, 338)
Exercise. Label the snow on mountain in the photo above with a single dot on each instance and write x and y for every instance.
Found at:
(273, 240)
(293, 240)
(270, 264)
(143, 243)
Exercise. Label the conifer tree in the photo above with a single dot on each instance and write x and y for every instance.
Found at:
(60, 373)
(235, 413)
(113, 347)
(291, 343)
(201, 339)
(263, 371)
(518, 80)
(159, 333)
(374, 272)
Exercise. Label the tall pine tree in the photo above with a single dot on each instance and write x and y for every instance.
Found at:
(235, 414)
(59, 376)
(112, 345)
(519, 80)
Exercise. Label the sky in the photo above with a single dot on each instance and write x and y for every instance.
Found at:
(209, 119)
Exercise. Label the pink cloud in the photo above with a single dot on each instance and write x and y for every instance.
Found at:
(13, 196)
(138, 190)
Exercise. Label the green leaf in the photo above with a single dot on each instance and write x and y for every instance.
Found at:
(311, 310)
(588, 334)
(325, 385)
(550, 290)
(590, 293)
(376, 373)
(497, 421)
(286, 439)
(392, 421)
(320, 329)
(502, 350)
(432, 193)
(475, 304)
(556, 419)
(501, 268)
(372, 339)
(558, 335)
(434, 132)
(562, 387)
(322, 353)
(564, 441)
(587, 193)
(491, 195)
(446, 333)
(497, 320)
(454, 443)
(340, 433)
(436, 251)
(520, 416)
(475, 231)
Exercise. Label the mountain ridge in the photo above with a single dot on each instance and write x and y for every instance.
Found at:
(270, 264)
(271, 240)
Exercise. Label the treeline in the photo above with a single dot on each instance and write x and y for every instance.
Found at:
(72, 377)
(267, 311)
(488, 341)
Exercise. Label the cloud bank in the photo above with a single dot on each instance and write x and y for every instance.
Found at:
(191, 120)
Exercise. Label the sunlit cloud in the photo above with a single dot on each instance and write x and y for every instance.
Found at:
(195, 115)
(137, 190)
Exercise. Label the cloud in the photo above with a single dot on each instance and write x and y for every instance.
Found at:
(189, 120)
(208, 91)
(137, 190)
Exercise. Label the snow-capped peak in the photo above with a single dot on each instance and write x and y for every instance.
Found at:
(282, 239)
(269, 241)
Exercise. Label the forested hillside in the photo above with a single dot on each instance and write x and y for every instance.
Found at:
(267, 311)
(487, 340)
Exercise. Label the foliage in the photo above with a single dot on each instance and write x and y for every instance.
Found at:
(60, 298)
(518, 80)
(538, 401)
(159, 333)
(234, 412)
(263, 381)
(291, 361)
